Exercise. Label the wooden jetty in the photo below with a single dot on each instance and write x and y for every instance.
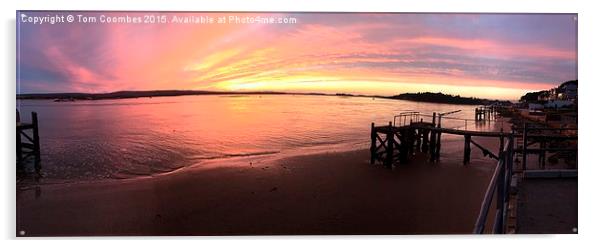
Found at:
(28, 142)
(398, 141)
(484, 113)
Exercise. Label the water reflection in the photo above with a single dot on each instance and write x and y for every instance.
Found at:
(132, 137)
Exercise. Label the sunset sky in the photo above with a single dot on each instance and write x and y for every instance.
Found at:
(499, 56)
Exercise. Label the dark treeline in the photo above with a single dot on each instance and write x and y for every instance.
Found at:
(421, 97)
(442, 98)
(130, 94)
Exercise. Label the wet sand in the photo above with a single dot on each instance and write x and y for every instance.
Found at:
(329, 193)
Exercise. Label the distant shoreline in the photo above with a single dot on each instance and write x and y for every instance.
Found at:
(416, 97)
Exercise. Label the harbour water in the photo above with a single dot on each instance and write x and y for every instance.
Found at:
(127, 138)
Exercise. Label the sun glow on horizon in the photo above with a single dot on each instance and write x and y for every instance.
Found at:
(371, 88)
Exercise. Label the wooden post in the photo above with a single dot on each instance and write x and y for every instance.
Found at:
(418, 138)
(466, 149)
(425, 137)
(36, 141)
(432, 139)
(525, 146)
(411, 140)
(19, 150)
(390, 144)
(403, 146)
(438, 142)
(432, 145)
(476, 114)
(372, 144)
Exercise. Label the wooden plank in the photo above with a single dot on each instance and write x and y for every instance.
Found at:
(24, 126)
(382, 129)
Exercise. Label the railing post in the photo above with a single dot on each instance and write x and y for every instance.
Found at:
(501, 143)
(434, 114)
(501, 181)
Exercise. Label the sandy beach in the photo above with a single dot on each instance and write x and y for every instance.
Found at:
(329, 193)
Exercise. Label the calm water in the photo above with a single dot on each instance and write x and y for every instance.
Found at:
(126, 138)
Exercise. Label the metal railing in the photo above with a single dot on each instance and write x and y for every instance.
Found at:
(499, 185)
(408, 117)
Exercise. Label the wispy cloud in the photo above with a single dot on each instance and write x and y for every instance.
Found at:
(362, 53)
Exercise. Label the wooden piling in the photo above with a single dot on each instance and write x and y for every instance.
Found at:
(31, 149)
(390, 137)
(438, 141)
(433, 146)
(36, 142)
(411, 140)
(403, 146)
(425, 137)
(466, 149)
(19, 151)
(372, 144)
(418, 134)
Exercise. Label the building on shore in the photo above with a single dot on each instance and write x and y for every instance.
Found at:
(567, 91)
